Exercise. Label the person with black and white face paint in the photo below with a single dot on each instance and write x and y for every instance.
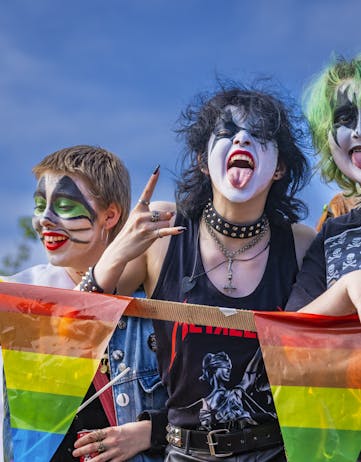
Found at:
(233, 242)
(81, 201)
(334, 259)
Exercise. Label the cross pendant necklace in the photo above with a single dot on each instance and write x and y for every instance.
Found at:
(231, 255)
(229, 276)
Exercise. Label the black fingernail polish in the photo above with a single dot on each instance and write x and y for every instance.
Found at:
(156, 170)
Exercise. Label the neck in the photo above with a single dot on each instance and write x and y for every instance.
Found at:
(76, 274)
(240, 212)
(232, 229)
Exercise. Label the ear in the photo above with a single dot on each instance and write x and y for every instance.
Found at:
(202, 165)
(111, 216)
(279, 172)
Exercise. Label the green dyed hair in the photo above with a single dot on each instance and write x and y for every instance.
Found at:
(320, 99)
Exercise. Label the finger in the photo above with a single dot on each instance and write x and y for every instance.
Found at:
(174, 231)
(147, 193)
(97, 435)
(156, 216)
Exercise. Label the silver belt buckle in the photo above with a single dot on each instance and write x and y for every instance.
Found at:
(212, 444)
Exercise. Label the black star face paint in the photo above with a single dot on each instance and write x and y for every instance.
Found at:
(346, 112)
(65, 218)
(345, 134)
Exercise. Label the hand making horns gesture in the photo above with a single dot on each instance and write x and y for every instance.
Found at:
(141, 229)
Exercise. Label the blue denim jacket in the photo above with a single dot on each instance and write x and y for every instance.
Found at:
(132, 345)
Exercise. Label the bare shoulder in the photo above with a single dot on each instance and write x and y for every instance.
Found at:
(303, 236)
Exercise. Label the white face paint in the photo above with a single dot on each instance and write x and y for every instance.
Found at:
(345, 137)
(68, 220)
(240, 166)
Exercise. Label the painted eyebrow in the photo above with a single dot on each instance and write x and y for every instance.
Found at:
(40, 188)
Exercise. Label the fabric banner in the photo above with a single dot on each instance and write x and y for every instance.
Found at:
(52, 341)
(314, 368)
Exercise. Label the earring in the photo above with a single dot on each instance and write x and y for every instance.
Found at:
(104, 235)
(277, 174)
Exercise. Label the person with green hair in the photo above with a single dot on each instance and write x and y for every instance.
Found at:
(333, 109)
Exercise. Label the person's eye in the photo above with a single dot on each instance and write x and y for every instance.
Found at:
(40, 205)
(343, 117)
(65, 204)
(223, 133)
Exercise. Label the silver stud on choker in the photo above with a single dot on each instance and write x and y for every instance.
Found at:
(236, 230)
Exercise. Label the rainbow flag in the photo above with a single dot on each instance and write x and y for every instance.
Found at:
(314, 367)
(52, 341)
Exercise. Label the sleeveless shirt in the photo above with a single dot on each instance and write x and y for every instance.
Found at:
(215, 377)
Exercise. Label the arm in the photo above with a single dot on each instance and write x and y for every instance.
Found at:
(342, 298)
(311, 280)
(303, 237)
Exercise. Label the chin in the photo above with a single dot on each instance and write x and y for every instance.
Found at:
(57, 260)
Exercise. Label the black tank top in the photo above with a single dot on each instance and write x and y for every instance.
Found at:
(215, 377)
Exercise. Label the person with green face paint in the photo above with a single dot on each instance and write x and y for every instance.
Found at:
(82, 200)
(334, 259)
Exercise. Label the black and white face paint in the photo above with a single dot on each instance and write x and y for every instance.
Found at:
(345, 136)
(241, 161)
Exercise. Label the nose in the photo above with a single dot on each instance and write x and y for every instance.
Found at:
(357, 130)
(46, 220)
(242, 138)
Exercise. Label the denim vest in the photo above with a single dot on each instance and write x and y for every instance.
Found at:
(133, 345)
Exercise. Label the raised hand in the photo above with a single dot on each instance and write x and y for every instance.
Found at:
(141, 229)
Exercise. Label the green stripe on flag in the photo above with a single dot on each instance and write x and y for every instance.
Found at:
(320, 445)
(30, 411)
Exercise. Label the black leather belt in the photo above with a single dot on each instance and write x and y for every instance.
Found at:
(223, 442)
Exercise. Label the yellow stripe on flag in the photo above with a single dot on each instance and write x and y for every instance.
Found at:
(316, 407)
(63, 375)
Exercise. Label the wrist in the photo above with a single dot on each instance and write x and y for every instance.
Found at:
(158, 421)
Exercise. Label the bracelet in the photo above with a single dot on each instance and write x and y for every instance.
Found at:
(88, 282)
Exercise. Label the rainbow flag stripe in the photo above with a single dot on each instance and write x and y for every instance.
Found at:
(52, 341)
(314, 368)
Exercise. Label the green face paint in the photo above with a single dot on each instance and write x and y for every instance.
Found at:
(40, 205)
(66, 218)
(68, 209)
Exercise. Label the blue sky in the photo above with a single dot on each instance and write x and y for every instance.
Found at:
(117, 74)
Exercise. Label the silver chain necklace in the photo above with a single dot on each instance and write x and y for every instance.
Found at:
(230, 255)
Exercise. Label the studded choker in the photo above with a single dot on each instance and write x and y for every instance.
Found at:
(239, 231)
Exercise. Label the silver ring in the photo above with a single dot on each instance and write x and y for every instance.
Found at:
(155, 216)
(99, 435)
(101, 447)
(143, 202)
(158, 234)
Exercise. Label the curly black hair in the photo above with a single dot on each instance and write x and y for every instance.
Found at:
(274, 121)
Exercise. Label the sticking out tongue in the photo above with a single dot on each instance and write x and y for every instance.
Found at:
(356, 159)
(239, 177)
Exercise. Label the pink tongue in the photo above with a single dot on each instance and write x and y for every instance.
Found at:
(239, 177)
(356, 159)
